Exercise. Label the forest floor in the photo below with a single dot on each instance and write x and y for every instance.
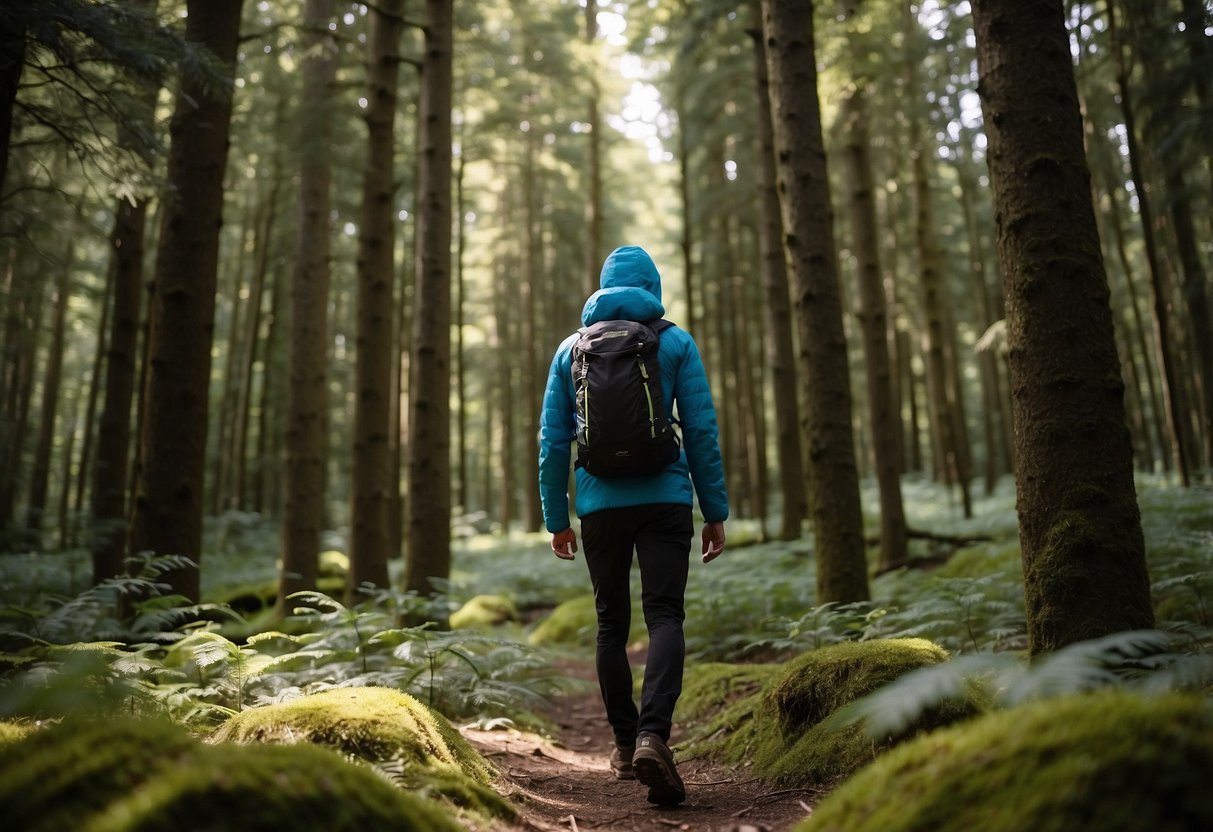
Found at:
(564, 782)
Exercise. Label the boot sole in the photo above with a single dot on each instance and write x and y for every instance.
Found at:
(665, 786)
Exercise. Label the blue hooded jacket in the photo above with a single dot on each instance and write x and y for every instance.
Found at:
(631, 290)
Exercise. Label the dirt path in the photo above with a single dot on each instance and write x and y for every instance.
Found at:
(565, 783)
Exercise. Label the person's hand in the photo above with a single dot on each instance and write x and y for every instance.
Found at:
(564, 544)
(713, 541)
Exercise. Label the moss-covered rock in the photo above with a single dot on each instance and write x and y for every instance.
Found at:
(484, 611)
(246, 599)
(571, 622)
(717, 699)
(233, 789)
(575, 622)
(982, 560)
(59, 776)
(778, 725)
(333, 564)
(379, 725)
(1110, 761)
(119, 775)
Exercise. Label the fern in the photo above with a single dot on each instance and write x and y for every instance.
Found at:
(1146, 661)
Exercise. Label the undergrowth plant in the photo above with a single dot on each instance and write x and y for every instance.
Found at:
(171, 656)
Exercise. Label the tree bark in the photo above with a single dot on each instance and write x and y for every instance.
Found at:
(370, 481)
(1080, 530)
(264, 244)
(777, 313)
(52, 375)
(23, 329)
(95, 383)
(168, 512)
(942, 396)
(429, 493)
(265, 472)
(532, 382)
(110, 483)
(306, 437)
(809, 242)
(1162, 318)
(12, 47)
(593, 206)
(886, 424)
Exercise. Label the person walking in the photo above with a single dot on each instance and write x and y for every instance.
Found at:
(622, 511)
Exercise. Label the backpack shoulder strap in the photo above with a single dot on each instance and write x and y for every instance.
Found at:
(660, 325)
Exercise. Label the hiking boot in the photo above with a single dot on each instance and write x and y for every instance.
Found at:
(621, 763)
(654, 766)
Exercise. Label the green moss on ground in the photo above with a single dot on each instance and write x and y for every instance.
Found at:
(718, 699)
(11, 732)
(120, 775)
(56, 777)
(1110, 761)
(575, 623)
(384, 726)
(983, 560)
(484, 611)
(229, 788)
(776, 723)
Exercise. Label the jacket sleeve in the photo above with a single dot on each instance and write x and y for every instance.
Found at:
(557, 431)
(697, 417)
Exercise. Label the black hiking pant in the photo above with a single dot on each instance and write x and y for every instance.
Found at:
(661, 535)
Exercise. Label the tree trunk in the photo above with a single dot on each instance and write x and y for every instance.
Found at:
(429, 492)
(306, 437)
(168, 512)
(1162, 323)
(110, 483)
(84, 470)
(886, 426)
(370, 481)
(593, 206)
(264, 244)
(686, 240)
(1080, 531)
(22, 331)
(942, 398)
(12, 45)
(532, 381)
(72, 425)
(777, 314)
(988, 359)
(229, 394)
(265, 471)
(461, 392)
(809, 241)
(51, 377)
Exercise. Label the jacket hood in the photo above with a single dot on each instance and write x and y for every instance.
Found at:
(631, 289)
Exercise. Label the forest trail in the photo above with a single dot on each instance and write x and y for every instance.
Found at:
(564, 782)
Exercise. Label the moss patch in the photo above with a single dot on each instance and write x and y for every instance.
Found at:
(982, 560)
(55, 778)
(384, 726)
(575, 622)
(484, 611)
(11, 732)
(777, 725)
(258, 788)
(117, 775)
(1109, 761)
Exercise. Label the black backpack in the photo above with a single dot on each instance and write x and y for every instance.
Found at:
(622, 427)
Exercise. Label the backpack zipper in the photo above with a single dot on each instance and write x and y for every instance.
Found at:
(644, 374)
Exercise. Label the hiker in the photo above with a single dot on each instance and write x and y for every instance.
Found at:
(634, 487)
